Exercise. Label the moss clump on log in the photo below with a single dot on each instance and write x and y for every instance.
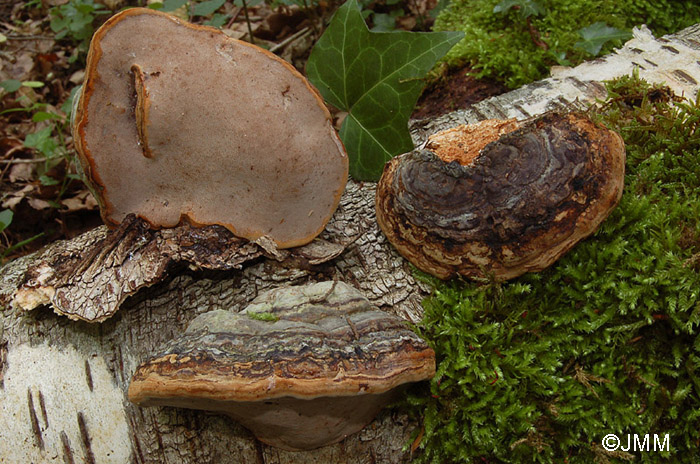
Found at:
(516, 51)
(605, 341)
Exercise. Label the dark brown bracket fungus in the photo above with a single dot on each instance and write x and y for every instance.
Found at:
(501, 198)
(301, 367)
(178, 121)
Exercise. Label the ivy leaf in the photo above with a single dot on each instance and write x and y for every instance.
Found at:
(208, 7)
(5, 219)
(377, 78)
(10, 85)
(597, 34)
(172, 5)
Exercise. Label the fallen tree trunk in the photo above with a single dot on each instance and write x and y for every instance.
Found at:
(63, 382)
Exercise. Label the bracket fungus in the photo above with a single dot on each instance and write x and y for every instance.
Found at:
(501, 198)
(301, 367)
(178, 121)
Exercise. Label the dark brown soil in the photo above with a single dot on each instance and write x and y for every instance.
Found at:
(455, 90)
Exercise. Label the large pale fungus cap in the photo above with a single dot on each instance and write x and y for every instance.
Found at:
(501, 198)
(301, 367)
(180, 121)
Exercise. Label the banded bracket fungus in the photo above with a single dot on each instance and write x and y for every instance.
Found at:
(180, 122)
(500, 198)
(301, 367)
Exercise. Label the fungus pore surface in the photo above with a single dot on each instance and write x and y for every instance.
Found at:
(178, 121)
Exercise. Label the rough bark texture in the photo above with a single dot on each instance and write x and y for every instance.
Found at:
(90, 277)
(63, 382)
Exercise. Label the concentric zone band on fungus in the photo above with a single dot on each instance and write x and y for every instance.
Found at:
(526, 199)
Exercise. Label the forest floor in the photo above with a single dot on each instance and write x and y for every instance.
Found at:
(41, 196)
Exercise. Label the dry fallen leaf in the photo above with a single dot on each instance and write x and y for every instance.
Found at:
(77, 77)
(14, 198)
(83, 201)
(21, 172)
(39, 204)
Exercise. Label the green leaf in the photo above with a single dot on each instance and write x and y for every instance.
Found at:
(249, 3)
(505, 5)
(172, 5)
(21, 244)
(5, 219)
(41, 116)
(207, 8)
(376, 77)
(47, 181)
(33, 84)
(59, 24)
(383, 22)
(218, 20)
(11, 85)
(67, 106)
(597, 34)
(526, 8)
(42, 141)
(35, 139)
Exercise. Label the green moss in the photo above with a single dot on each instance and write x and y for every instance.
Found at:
(606, 340)
(500, 45)
(265, 317)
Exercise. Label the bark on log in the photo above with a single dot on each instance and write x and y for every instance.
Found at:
(63, 383)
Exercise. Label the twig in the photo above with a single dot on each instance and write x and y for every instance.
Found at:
(535, 35)
(28, 37)
(28, 161)
(235, 14)
(247, 20)
(290, 39)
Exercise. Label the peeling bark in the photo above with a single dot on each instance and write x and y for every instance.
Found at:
(63, 383)
(90, 277)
